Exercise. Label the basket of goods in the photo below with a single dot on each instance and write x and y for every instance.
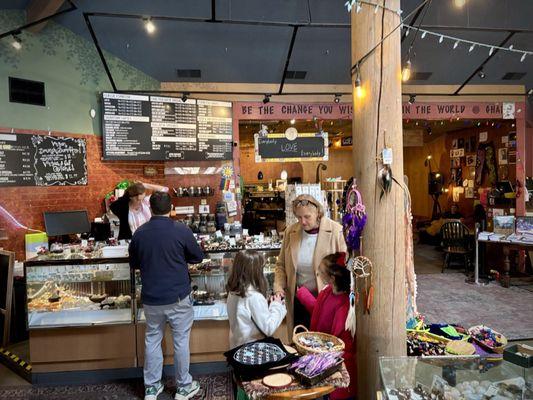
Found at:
(422, 343)
(460, 348)
(315, 342)
(314, 367)
(488, 339)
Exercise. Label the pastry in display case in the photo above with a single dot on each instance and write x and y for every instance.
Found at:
(84, 294)
(454, 378)
(208, 283)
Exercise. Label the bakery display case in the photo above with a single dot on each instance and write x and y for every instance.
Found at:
(78, 294)
(208, 283)
(454, 378)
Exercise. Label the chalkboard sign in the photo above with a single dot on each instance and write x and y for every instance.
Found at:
(141, 127)
(276, 147)
(41, 160)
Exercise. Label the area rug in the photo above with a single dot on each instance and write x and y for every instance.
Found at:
(447, 298)
(215, 387)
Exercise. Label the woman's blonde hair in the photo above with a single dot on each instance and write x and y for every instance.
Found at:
(305, 200)
(247, 269)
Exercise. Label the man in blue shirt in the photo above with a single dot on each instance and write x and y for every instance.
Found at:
(162, 249)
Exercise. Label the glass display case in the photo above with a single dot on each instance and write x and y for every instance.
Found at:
(67, 293)
(454, 378)
(208, 282)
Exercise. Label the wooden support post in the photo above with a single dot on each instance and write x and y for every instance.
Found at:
(377, 123)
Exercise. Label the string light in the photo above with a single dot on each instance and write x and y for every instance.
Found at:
(407, 32)
(359, 91)
(337, 98)
(293, 121)
(149, 25)
(472, 45)
(358, 8)
(376, 9)
(423, 35)
(16, 43)
(406, 72)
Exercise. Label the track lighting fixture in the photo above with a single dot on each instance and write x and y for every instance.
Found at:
(266, 99)
(16, 43)
(481, 74)
(184, 96)
(337, 98)
(149, 25)
(412, 98)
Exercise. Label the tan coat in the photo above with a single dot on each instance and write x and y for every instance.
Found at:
(330, 240)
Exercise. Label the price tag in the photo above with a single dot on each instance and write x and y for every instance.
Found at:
(218, 234)
(232, 241)
(203, 202)
(245, 232)
(387, 156)
(261, 237)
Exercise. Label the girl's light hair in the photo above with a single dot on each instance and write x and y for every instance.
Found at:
(247, 269)
(304, 200)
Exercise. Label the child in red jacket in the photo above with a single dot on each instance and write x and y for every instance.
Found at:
(329, 312)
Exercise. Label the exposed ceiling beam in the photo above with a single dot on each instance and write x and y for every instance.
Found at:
(480, 67)
(288, 60)
(38, 9)
(472, 29)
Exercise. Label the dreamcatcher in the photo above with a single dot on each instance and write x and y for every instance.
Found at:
(354, 219)
(361, 289)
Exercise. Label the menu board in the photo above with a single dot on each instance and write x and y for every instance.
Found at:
(140, 127)
(276, 147)
(41, 160)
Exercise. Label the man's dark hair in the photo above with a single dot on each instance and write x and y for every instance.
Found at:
(160, 203)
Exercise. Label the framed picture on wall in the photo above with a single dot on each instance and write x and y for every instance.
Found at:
(502, 156)
(469, 192)
(471, 160)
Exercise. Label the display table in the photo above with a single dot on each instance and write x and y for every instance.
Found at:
(417, 377)
(257, 390)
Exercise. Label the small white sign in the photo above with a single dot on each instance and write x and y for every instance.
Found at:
(455, 153)
(245, 232)
(203, 209)
(483, 136)
(232, 241)
(218, 234)
(387, 156)
(508, 110)
(184, 210)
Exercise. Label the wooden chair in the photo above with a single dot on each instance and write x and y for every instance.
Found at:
(455, 243)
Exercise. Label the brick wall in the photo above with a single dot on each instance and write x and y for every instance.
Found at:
(27, 204)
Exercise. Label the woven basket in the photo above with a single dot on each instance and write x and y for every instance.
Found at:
(497, 349)
(303, 349)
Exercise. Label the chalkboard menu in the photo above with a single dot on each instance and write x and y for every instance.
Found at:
(140, 127)
(40, 160)
(276, 147)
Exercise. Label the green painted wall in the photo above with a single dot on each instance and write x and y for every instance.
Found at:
(72, 72)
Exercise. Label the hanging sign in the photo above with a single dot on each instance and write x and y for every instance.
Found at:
(275, 147)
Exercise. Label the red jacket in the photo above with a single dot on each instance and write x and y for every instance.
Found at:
(328, 315)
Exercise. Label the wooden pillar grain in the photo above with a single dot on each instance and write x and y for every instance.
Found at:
(377, 123)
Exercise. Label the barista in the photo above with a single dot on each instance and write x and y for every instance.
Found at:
(133, 208)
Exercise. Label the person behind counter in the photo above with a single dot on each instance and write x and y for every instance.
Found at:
(133, 208)
(305, 244)
(161, 249)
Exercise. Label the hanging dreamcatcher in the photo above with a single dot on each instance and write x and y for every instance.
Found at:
(354, 219)
(361, 290)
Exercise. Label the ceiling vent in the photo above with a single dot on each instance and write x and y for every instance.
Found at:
(421, 76)
(513, 76)
(189, 73)
(295, 74)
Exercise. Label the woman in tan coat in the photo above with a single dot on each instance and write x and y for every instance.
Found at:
(305, 244)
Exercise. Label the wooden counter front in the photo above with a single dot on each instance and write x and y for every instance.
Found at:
(84, 348)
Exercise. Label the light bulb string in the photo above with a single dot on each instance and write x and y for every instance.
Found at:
(470, 42)
(350, 4)
(373, 49)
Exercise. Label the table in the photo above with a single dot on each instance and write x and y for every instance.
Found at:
(505, 279)
(256, 390)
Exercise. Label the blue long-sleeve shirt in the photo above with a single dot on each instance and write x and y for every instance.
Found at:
(161, 249)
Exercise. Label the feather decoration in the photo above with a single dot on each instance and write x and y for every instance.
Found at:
(351, 320)
(385, 180)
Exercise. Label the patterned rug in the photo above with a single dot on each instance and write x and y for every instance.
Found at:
(447, 298)
(212, 387)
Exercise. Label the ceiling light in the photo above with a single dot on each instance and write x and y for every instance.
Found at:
(511, 47)
(481, 74)
(471, 47)
(184, 96)
(149, 25)
(412, 98)
(491, 51)
(337, 98)
(266, 99)
(293, 121)
(406, 72)
(16, 43)
(407, 32)
(459, 3)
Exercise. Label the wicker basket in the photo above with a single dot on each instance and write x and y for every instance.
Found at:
(303, 349)
(497, 349)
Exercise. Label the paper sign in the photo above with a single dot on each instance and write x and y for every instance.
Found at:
(203, 209)
(232, 241)
(505, 139)
(483, 136)
(508, 111)
(454, 153)
(245, 232)
(229, 196)
(231, 206)
(387, 156)
(203, 201)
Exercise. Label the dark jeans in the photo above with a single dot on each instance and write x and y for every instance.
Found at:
(301, 316)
